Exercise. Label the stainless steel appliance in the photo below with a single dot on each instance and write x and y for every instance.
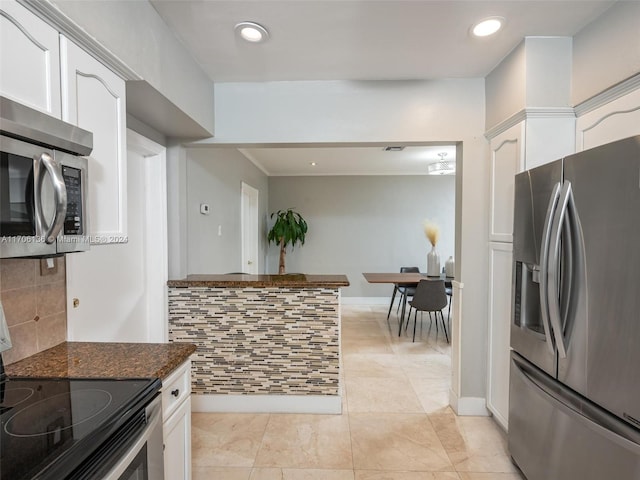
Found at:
(574, 406)
(64, 429)
(43, 182)
(79, 429)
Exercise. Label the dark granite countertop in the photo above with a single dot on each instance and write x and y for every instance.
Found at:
(295, 280)
(104, 360)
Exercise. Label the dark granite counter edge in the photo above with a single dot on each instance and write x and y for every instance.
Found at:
(261, 281)
(103, 360)
(250, 284)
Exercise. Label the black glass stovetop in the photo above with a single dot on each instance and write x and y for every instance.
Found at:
(50, 426)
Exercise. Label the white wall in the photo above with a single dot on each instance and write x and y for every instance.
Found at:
(506, 87)
(548, 71)
(177, 209)
(145, 130)
(348, 111)
(606, 51)
(214, 176)
(118, 299)
(537, 73)
(364, 224)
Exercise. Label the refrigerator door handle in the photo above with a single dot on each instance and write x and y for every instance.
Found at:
(592, 416)
(544, 265)
(553, 290)
(576, 269)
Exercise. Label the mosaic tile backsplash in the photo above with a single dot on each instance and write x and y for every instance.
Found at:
(278, 341)
(33, 297)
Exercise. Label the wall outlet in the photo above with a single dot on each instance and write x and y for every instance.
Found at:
(48, 266)
(5, 338)
(204, 208)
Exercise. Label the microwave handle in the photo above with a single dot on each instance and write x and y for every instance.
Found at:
(60, 197)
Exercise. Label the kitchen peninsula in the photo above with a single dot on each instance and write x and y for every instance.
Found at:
(265, 343)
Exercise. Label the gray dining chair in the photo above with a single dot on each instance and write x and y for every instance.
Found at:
(429, 297)
(403, 290)
(448, 289)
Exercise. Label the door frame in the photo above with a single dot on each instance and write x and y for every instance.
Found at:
(249, 201)
(155, 228)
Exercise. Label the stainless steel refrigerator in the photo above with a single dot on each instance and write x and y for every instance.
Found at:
(574, 395)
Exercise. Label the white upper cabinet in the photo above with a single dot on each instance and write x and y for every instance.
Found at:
(29, 59)
(612, 121)
(507, 159)
(93, 98)
(46, 71)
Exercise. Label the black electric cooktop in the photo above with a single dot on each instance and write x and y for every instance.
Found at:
(49, 427)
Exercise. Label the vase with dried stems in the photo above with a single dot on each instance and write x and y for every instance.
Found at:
(289, 228)
(432, 232)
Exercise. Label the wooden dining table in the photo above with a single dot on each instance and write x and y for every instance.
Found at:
(406, 280)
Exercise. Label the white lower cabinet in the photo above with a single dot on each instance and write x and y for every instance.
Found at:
(177, 443)
(500, 273)
(176, 426)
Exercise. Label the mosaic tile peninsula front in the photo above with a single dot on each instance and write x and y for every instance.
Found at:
(278, 341)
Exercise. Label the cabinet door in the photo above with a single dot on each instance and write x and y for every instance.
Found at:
(94, 99)
(500, 273)
(177, 443)
(507, 159)
(613, 121)
(29, 59)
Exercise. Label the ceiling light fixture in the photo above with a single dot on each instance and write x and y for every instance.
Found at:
(313, 164)
(443, 167)
(487, 26)
(252, 32)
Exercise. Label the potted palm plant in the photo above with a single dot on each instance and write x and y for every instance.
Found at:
(290, 228)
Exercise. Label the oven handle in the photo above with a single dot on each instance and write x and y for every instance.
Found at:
(154, 427)
(60, 196)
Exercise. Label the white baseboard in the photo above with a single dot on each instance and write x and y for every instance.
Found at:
(365, 300)
(468, 406)
(500, 420)
(327, 404)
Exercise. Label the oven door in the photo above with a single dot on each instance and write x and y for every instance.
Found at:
(144, 458)
(32, 199)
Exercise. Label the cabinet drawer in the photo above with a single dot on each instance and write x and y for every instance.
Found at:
(175, 389)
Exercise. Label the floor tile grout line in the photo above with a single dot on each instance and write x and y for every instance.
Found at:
(264, 432)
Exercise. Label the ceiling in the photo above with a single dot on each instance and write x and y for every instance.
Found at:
(363, 39)
(360, 40)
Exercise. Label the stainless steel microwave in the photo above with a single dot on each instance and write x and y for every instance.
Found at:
(43, 183)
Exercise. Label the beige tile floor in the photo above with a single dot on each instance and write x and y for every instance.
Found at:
(396, 423)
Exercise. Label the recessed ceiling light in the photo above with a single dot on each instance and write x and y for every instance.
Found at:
(252, 32)
(313, 164)
(487, 27)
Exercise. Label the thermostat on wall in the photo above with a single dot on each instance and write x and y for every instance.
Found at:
(204, 208)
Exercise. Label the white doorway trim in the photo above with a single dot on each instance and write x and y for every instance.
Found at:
(155, 228)
(249, 223)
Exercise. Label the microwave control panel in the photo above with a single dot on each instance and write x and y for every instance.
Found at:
(73, 181)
